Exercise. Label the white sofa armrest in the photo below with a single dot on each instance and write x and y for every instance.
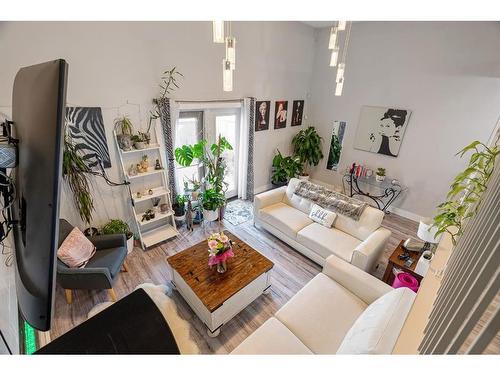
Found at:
(368, 251)
(367, 287)
(268, 198)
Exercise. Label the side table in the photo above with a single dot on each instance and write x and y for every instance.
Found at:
(395, 262)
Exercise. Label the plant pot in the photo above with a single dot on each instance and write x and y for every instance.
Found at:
(124, 142)
(179, 218)
(130, 244)
(278, 184)
(210, 215)
(163, 208)
(379, 178)
(305, 177)
(140, 145)
(90, 232)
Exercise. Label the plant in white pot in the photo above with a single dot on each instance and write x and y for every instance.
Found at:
(212, 201)
(307, 147)
(117, 226)
(124, 130)
(179, 208)
(380, 174)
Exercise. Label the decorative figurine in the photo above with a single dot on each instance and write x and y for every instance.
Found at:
(132, 171)
(145, 163)
(138, 194)
(189, 216)
(150, 191)
(157, 165)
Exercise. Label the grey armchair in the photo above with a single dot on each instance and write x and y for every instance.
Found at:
(102, 269)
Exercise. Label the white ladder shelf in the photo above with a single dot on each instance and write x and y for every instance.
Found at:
(162, 227)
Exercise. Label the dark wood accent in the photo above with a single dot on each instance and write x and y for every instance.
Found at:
(395, 262)
(211, 287)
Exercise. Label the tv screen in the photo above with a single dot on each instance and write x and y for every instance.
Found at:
(38, 109)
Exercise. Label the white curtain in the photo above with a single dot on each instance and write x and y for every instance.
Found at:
(246, 147)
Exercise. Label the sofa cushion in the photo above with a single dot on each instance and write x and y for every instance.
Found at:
(294, 200)
(369, 222)
(285, 218)
(272, 338)
(322, 216)
(327, 241)
(321, 313)
(377, 328)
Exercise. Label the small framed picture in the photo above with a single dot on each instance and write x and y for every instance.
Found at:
(297, 112)
(262, 109)
(280, 114)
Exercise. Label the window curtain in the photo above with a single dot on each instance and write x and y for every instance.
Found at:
(246, 175)
(167, 108)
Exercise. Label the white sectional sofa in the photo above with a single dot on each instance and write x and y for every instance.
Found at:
(286, 215)
(342, 310)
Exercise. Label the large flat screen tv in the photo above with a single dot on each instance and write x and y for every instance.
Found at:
(38, 110)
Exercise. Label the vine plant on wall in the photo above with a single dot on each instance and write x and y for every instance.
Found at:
(466, 190)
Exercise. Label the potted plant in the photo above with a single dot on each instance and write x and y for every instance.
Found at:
(380, 174)
(179, 208)
(124, 129)
(139, 141)
(307, 147)
(215, 166)
(284, 168)
(117, 226)
(168, 85)
(212, 201)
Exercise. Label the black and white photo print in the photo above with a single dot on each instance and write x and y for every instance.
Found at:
(297, 112)
(86, 129)
(381, 130)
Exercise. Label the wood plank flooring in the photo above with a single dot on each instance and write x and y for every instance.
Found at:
(291, 272)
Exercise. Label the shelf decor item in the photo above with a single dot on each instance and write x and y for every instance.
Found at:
(124, 136)
(158, 165)
(220, 249)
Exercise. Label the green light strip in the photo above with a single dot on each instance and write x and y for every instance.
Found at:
(29, 339)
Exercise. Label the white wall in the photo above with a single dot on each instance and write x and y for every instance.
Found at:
(112, 62)
(446, 73)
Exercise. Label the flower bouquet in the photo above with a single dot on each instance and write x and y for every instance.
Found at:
(220, 248)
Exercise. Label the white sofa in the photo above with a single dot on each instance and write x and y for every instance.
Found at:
(286, 215)
(340, 311)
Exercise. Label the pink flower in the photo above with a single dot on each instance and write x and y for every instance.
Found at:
(212, 244)
(223, 238)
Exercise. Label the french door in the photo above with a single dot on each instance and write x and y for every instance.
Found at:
(194, 125)
(225, 122)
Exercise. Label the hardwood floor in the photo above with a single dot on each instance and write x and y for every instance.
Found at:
(291, 272)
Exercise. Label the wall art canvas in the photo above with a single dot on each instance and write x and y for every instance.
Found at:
(86, 129)
(262, 109)
(336, 145)
(297, 112)
(280, 114)
(381, 130)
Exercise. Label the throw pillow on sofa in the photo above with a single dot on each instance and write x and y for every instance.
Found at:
(377, 328)
(322, 216)
(76, 249)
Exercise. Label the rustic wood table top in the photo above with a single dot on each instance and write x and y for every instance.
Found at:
(211, 287)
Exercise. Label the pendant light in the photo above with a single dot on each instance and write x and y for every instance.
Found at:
(218, 31)
(339, 79)
(332, 44)
(231, 51)
(335, 57)
(227, 75)
(341, 25)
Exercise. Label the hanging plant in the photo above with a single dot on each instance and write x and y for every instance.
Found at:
(466, 190)
(76, 173)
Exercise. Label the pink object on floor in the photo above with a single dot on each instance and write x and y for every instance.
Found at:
(405, 280)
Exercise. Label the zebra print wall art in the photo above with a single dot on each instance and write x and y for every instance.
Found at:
(86, 128)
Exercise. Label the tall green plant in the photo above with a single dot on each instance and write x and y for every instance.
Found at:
(285, 168)
(169, 83)
(466, 190)
(210, 157)
(76, 173)
(307, 146)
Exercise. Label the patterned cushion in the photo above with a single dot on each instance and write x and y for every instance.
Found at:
(76, 249)
(322, 216)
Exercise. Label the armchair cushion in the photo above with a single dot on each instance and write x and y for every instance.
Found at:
(107, 241)
(112, 259)
(76, 250)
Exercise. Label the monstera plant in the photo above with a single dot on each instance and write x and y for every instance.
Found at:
(307, 147)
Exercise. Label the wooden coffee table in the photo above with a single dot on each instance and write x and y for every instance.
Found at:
(216, 298)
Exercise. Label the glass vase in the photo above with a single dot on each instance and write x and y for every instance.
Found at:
(222, 267)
